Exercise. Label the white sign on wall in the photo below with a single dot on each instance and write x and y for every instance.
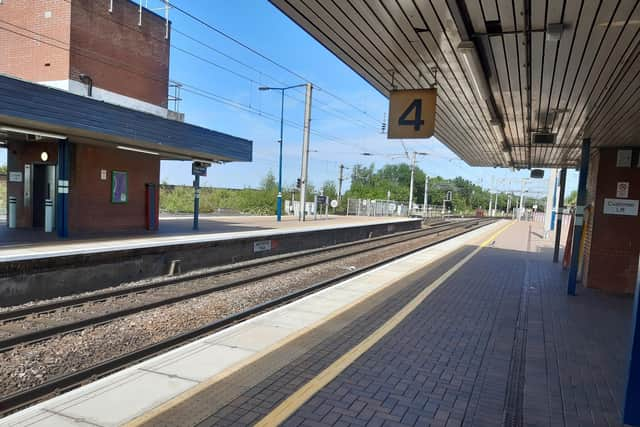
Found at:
(15, 176)
(262, 245)
(623, 159)
(622, 190)
(621, 207)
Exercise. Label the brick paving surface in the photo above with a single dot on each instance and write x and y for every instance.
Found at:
(499, 343)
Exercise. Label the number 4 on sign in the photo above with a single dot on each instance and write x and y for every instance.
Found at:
(412, 113)
(416, 108)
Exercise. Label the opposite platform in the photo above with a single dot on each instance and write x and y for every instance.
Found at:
(50, 270)
(17, 245)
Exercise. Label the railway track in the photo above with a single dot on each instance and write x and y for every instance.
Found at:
(212, 281)
(43, 321)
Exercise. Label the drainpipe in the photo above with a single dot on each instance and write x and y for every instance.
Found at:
(89, 82)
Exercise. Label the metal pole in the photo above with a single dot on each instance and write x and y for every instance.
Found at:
(556, 247)
(196, 201)
(579, 221)
(551, 201)
(413, 167)
(305, 149)
(490, 202)
(340, 179)
(279, 198)
(315, 206)
(520, 208)
(495, 205)
(426, 195)
(293, 200)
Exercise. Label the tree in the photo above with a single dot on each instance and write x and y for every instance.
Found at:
(268, 183)
(329, 190)
(3, 169)
(572, 198)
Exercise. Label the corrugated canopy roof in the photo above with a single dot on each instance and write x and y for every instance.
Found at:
(504, 68)
(82, 119)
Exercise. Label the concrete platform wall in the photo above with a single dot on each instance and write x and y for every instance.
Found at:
(28, 280)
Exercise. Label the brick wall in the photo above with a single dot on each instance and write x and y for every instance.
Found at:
(116, 53)
(90, 206)
(36, 60)
(82, 37)
(615, 239)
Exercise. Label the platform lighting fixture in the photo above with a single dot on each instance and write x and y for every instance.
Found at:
(137, 150)
(44, 156)
(554, 32)
(32, 132)
(281, 143)
(474, 67)
(619, 23)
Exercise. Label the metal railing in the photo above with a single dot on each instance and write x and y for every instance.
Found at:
(366, 207)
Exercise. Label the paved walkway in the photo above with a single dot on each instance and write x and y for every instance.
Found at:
(499, 343)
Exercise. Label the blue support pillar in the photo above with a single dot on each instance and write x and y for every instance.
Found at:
(62, 207)
(579, 221)
(631, 410)
(196, 201)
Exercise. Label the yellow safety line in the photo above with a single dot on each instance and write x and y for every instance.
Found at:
(192, 392)
(304, 393)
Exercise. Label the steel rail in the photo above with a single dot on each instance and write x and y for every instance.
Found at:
(17, 314)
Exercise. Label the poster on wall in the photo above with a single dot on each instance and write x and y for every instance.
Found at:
(623, 158)
(119, 188)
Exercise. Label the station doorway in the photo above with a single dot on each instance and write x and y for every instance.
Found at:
(43, 189)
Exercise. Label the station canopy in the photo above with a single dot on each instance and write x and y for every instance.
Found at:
(32, 109)
(520, 83)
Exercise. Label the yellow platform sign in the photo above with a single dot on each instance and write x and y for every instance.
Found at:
(412, 113)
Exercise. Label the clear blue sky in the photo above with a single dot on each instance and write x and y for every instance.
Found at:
(264, 28)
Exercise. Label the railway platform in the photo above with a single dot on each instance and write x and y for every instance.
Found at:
(474, 331)
(20, 244)
(61, 268)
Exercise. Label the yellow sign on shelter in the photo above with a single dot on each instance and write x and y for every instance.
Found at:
(412, 113)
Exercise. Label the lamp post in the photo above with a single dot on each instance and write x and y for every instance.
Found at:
(279, 199)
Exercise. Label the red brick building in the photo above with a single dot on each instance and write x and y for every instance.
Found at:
(94, 50)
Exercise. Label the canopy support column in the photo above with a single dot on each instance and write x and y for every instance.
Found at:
(560, 213)
(579, 221)
(62, 207)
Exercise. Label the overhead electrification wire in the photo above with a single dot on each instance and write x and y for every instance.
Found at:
(268, 59)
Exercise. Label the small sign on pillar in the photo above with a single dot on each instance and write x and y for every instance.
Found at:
(622, 190)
